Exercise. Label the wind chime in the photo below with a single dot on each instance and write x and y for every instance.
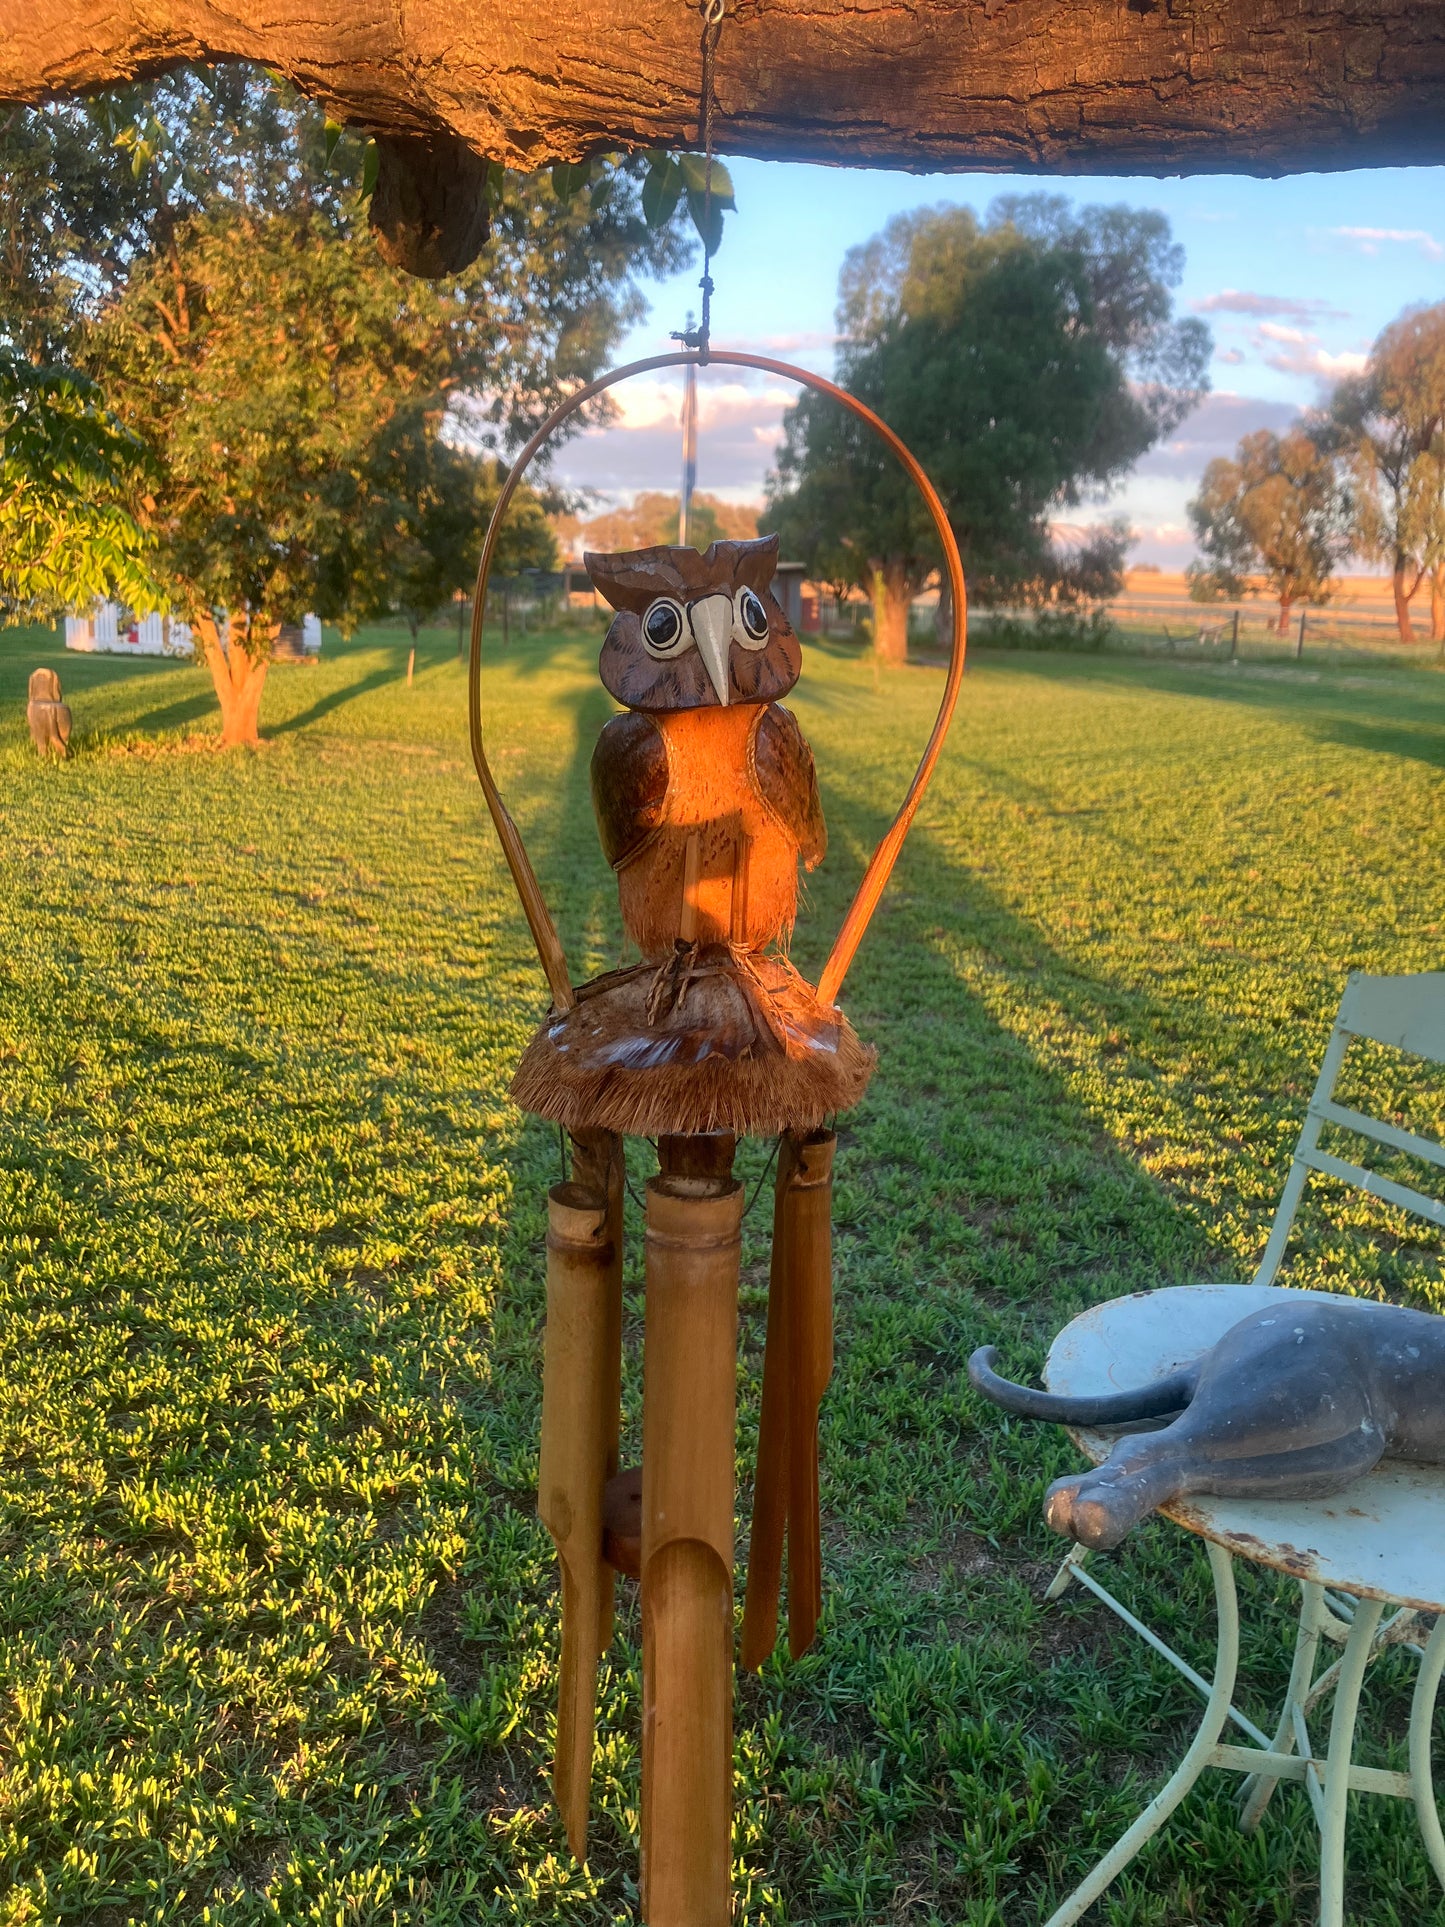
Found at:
(706, 802)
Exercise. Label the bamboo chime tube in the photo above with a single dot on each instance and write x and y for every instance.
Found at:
(797, 1366)
(689, 1416)
(581, 1378)
(770, 1483)
(808, 1243)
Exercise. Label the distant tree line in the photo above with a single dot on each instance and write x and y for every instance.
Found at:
(1363, 475)
(1028, 360)
(216, 396)
(652, 518)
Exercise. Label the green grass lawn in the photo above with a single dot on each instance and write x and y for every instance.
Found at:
(277, 1620)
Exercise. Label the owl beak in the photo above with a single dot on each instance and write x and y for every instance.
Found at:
(712, 628)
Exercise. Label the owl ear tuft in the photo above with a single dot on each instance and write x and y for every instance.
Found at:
(747, 565)
(636, 577)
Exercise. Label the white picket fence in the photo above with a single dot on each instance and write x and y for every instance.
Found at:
(112, 631)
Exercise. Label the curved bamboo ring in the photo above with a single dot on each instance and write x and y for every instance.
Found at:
(875, 877)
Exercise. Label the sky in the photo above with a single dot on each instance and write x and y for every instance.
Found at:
(1295, 277)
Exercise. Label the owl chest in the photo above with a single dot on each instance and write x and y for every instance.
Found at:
(718, 867)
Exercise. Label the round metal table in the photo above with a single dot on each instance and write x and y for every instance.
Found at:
(1379, 1543)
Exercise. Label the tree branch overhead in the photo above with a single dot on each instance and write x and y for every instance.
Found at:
(1118, 86)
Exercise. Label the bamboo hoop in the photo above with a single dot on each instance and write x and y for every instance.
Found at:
(880, 866)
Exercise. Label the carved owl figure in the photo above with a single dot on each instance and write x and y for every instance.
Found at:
(704, 789)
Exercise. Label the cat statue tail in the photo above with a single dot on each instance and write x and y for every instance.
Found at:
(1162, 1399)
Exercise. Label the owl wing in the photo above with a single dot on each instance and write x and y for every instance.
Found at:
(786, 780)
(629, 784)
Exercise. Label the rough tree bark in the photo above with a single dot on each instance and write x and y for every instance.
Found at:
(892, 594)
(1252, 86)
(238, 665)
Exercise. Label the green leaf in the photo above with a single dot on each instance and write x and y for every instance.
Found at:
(331, 134)
(707, 221)
(368, 171)
(661, 192)
(570, 177)
(694, 173)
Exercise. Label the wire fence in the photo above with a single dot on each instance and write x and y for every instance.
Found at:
(1133, 624)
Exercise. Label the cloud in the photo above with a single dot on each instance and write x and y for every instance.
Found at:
(1230, 356)
(806, 342)
(1275, 331)
(1215, 428)
(1305, 360)
(739, 423)
(1241, 301)
(1370, 239)
(648, 403)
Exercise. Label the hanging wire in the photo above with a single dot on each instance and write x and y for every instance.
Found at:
(641, 1203)
(757, 1188)
(713, 12)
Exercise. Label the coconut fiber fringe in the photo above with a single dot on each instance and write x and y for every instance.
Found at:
(711, 1039)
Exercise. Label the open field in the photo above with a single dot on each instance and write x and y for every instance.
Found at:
(1155, 612)
(276, 1616)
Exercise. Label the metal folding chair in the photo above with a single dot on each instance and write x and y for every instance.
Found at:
(1381, 1543)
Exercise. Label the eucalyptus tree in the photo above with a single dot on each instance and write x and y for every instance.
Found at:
(1388, 427)
(1028, 360)
(1276, 509)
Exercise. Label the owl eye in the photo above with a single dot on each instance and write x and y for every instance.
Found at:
(751, 627)
(666, 630)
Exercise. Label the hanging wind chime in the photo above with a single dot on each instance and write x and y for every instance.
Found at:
(706, 803)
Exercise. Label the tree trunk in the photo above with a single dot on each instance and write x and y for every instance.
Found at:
(1282, 626)
(1437, 603)
(943, 614)
(892, 594)
(1244, 86)
(1402, 600)
(238, 675)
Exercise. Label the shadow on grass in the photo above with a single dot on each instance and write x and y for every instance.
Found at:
(1390, 712)
(333, 700)
(178, 714)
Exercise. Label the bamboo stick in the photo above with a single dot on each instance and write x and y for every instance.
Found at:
(770, 1480)
(808, 1247)
(689, 1416)
(599, 1163)
(580, 1397)
(797, 1366)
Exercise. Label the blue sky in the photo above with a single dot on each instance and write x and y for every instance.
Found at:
(1296, 277)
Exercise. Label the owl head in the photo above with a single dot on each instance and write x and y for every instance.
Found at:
(694, 629)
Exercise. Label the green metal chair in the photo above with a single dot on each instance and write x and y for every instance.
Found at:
(1381, 1543)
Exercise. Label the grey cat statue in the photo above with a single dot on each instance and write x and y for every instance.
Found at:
(1296, 1401)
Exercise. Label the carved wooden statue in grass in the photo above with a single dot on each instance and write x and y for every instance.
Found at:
(48, 714)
